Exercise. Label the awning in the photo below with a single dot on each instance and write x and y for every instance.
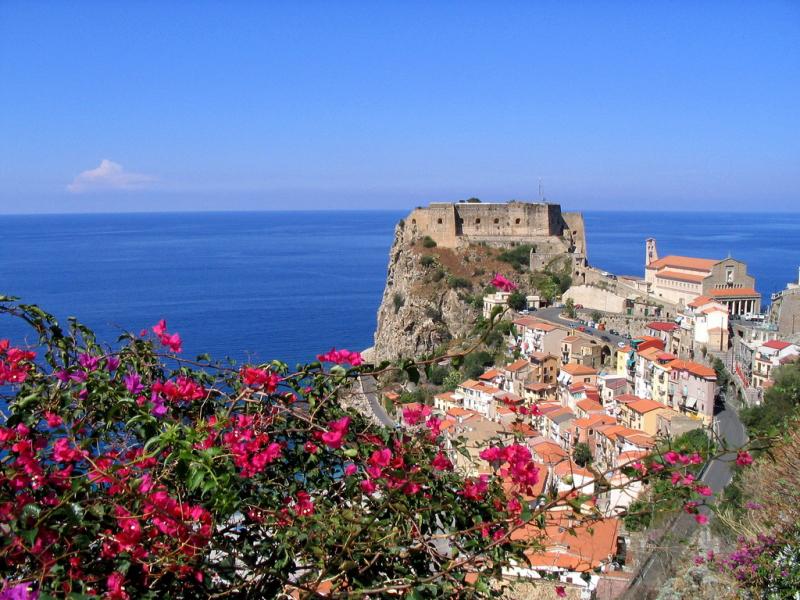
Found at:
(691, 402)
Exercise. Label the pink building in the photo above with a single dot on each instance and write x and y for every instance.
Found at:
(692, 389)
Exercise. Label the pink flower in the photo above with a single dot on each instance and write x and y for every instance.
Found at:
(311, 447)
(493, 454)
(341, 356)
(303, 505)
(411, 488)
(259, 379)
(561, 592)
(53, 420)
(380, 458)
(368, 486)
(116, 588)
(412, 416)
(671, 457)
(350, 469)
(441, 462)
(160, 328)
(704, 490)
(701, 519)
(743, 458)
(333, 438)
(501, 283)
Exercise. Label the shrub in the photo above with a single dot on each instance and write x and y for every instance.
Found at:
(517, 301)
(519, 257)
(428, 242)
(438, 275)
(458, 282)
(582, 454)
(427, 261)
(398, 300)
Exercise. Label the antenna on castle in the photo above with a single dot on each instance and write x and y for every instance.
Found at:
(541, 195)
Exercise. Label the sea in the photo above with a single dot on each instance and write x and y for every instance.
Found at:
(288, 285)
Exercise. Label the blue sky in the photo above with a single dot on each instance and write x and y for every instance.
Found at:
(275, 105)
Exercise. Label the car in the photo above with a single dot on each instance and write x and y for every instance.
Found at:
(620, 344)
(605, 338)
(581, 328)
(579, 306)
(613, 332)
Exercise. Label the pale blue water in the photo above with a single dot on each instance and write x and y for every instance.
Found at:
(289, 285)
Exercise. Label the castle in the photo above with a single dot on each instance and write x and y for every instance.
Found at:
(541, 224)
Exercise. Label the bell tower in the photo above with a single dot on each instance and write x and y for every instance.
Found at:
(651, 252)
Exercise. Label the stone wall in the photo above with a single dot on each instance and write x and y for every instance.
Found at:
(626, 325)
(453, 224)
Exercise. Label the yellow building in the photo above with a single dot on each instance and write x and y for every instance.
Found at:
(642, 414)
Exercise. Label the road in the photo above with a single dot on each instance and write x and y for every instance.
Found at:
(370, 389)
(553, 315)
(661, 563)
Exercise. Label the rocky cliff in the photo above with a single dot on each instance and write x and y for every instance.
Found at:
(419, 310)
(444, 256)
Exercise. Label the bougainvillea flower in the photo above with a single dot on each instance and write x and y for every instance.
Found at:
(501, 283)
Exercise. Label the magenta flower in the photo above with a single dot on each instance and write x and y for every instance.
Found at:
(501, 283)
(20, 591)
(112, 363)
(133, 383)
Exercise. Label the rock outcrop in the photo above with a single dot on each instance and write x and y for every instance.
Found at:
(442, 258)
(417, 313)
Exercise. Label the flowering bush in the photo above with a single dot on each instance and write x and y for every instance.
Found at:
(132, 472)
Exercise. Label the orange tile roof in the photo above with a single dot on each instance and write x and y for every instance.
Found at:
(733, 292)
(589, 405)
(663, 326)
(549, 452)
(571, 338)
(524, 429)
(568, 543)
(699, 301)
(533, 323)
(627, 398)
(645, 405)
(638, 438)
(683, 262)
(540, 356)
(517, 365)
(575, 369)
(461, 412)
(479, 386)
(446, 396)
(490, 374)
(694, 368)
(776, 344)
(567, 467)
(538, 386)
(677, 276)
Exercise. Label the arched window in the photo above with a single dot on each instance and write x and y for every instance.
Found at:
(516, 221)
(439, 221)
(477, 221)
(496, 221)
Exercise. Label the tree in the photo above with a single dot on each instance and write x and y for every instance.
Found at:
(582, 454)
(518, 301)
(127, 471)
(596, 315)
(569, 308)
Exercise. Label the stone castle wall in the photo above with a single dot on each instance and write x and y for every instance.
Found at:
(455, 224)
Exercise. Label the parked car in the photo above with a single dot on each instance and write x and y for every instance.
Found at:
(605, 338)
(581, 328)
(579, 306)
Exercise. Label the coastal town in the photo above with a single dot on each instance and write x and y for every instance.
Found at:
(598, 378)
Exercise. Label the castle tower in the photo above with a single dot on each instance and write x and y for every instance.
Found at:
(651, 252)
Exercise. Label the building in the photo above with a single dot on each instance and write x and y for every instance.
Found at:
(574, 373)
(578, 350)
(680, 279)
(770, 355)
(642, 414)
(516, 375)
(478, 396)
(536, 336)
(784, 311)
(665, 331)
(693, 389)
(703, 324)
(497, 300)
(544, 367)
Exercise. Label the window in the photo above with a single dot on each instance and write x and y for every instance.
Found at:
(439, 221)
(477, 221)
(496, 221)
(516, 221)
(413, 221)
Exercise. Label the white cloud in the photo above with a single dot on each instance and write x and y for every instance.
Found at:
(108, 176)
